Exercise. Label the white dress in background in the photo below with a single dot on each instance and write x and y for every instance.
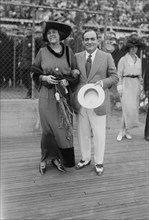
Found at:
(131, 88)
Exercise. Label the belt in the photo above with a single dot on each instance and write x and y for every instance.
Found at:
(131, 76)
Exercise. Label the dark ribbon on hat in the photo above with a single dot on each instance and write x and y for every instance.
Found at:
(88, 65)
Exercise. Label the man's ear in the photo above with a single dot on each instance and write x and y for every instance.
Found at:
(99, 43)
(83, 44)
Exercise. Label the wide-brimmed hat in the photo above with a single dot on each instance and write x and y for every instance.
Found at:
(91, 96)
(63, 29)
(134, 42)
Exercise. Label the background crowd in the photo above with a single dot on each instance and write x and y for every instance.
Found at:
(126, 13)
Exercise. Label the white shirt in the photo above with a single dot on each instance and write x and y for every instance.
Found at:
(93, 55)
(92, 58)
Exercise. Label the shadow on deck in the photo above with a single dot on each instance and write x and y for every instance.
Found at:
(122, 192)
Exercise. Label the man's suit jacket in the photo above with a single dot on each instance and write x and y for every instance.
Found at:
(103, 68)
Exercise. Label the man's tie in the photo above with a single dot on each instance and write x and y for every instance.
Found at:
(88, 65)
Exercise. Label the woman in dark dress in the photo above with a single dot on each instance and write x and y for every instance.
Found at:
(146, 89)
(55, 74)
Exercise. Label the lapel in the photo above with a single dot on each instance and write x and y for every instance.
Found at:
(96, 63)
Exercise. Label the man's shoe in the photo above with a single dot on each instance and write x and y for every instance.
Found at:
(82, 164)
(56, 163)
(42, 167)
(128, 136)
(120, 136)
(99, 169)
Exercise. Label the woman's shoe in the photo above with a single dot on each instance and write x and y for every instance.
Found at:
(56, 163)
(42, 167)
(120, 136)
(128, 136)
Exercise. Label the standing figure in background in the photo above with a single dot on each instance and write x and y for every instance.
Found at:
(129, 87)
(118, 52)
(25, 65)
(146, 89)
(6, 59)
(96, 67)
(54, 72)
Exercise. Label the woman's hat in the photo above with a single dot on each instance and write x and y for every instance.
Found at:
(91, 96)
(134, 42)
(63, 29)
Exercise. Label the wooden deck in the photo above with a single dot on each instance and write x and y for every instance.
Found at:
(122, 192)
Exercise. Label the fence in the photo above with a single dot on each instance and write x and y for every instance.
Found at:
(20, 44)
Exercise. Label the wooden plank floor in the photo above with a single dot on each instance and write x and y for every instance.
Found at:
(121, 193)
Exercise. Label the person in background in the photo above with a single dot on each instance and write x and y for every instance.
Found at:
(102, 73)
(146, 89)
(25, 65)
(54, 72)
(118, 52)
(129, 87)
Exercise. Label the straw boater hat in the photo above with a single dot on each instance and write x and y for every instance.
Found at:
(91, 96)
(63, 29)
(134, 42)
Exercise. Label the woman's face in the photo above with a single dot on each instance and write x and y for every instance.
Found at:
(53, 36)
(133, 50)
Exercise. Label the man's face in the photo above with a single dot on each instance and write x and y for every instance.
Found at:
(90, 41)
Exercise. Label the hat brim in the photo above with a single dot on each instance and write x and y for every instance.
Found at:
(91, 96)
(133, 42)
(63, 29)
(140, 45)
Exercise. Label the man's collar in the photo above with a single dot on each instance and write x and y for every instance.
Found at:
(93, 54)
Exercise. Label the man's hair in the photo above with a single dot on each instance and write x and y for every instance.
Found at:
(88, 30)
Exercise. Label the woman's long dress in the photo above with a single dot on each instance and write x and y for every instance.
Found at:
(56, 141)
(130, 78)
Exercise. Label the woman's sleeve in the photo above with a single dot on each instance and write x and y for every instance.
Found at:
(140, 76)
(37, 60)
(73, 60)
(120, 71)
(36, 70)
(73, 79)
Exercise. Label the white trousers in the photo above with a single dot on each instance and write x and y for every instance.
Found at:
(88, 121)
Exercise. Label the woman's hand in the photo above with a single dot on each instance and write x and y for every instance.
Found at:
(120, 90)
(50, 79)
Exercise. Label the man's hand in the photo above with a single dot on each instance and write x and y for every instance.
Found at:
(75, 73)
(100, 83)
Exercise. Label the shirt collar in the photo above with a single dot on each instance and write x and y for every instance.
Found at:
(93, 55)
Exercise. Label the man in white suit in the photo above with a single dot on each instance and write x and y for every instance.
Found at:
(102, 73)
